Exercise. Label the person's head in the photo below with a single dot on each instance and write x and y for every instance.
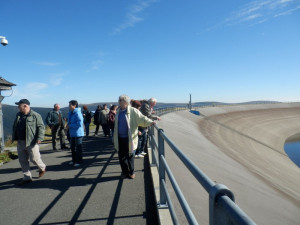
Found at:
(113, 107)
(56, 107)
(85, 107)
(152, 102)
(73, 104)
(104, 106)
(136, 104)
(23, 106)
(99, 107)
(124, 101)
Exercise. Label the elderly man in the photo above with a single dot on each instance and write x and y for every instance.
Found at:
(28, 130)
(56, 123)
(127, 120)
(146, 110)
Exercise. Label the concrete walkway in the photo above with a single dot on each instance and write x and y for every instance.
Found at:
(91, 194)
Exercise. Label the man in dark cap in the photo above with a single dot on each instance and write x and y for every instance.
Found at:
(28, 130)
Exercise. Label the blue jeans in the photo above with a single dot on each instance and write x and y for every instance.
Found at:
(76, 148)
(142, 142)
(87, 129)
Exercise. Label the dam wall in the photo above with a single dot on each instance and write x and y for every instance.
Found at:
(242, 148)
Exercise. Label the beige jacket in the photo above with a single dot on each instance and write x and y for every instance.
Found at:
(134, 119)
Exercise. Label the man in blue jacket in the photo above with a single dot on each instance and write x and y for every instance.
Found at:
(75, 125)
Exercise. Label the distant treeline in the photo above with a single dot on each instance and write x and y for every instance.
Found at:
(9, 111)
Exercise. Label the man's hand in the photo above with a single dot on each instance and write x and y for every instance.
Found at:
(158, 118)
(39, 142)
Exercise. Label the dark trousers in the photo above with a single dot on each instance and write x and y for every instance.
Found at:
(126, 159)
(76, 148)
(106, 130)
(61, 133)
(97, 128)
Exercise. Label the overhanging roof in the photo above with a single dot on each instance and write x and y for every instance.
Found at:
(5, 85)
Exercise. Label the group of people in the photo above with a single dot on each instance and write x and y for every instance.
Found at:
(127, 124)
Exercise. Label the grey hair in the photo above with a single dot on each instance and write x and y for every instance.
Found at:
(125, 98)
(152, 100)
(55, 105)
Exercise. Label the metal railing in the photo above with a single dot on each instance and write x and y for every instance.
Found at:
(165, 110)
(222, 208)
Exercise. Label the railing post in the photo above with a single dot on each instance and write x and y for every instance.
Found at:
(152, 144)
(217, 216)
(162, 170)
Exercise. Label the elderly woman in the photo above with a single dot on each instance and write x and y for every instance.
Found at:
(127, 121)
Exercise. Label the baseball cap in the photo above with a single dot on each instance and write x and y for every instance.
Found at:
(23, 101)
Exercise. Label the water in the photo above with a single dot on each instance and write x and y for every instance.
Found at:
(292, 148)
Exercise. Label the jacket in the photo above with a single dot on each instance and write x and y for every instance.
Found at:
(52, 118)
(134, 119)
(35, 128)
(97, 117)
(88, 116)
(111, 119)
(104, 116)
(146, 111)
(75, 122)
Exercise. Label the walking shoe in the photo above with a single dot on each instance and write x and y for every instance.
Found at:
(64, 148)
(77, 164)
(71, 163)
(132, 176)
(42, 173)
(124, 176)
(144, 153)
(22, 182)
(140, 156)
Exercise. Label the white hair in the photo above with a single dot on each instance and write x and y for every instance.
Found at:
(125, 98)
(152, 100)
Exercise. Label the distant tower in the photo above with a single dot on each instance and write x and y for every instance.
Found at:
(190, 103)
(4, 86)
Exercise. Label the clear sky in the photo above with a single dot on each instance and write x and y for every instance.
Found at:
(95, 50)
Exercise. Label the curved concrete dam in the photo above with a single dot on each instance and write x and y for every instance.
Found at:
(242, 148)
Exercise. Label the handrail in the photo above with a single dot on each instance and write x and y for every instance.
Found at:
(222, 208)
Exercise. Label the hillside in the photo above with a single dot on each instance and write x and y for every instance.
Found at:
(9, 111)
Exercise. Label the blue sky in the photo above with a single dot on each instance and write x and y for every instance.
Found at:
(95, 50)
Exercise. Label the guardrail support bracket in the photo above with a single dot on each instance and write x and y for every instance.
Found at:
(216, 215)
(162, 206)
